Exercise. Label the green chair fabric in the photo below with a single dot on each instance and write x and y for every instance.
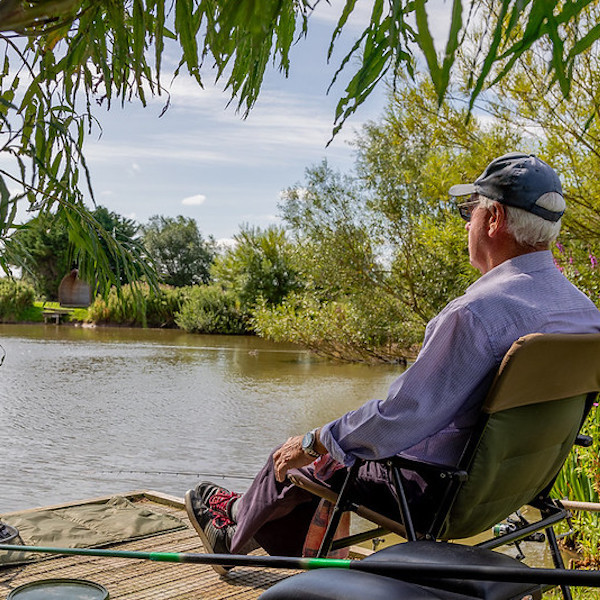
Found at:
(535, 408)
(520, 452)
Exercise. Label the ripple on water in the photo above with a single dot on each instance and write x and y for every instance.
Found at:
(102, 411)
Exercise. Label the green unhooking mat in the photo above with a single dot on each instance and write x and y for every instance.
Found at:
(86, 526)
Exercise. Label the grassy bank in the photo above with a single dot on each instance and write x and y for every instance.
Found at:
(35, 313)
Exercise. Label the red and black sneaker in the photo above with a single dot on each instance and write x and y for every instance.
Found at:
(218, 499)
(214, 529)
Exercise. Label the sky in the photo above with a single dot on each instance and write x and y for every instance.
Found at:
(204, 161)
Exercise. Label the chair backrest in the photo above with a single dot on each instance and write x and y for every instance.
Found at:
(532, 415)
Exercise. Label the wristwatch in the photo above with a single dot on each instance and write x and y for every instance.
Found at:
(308, 443)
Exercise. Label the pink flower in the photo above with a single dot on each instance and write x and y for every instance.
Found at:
(560, 247)
(593, 261)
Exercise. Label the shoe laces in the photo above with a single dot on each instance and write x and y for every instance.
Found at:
(218, 504)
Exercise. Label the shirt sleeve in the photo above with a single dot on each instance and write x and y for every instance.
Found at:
(446, 378)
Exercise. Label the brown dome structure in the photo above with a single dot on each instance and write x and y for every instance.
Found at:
(73, 292)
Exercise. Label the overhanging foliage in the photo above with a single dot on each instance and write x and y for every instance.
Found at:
(62, 56)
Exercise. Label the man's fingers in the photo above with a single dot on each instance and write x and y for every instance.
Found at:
(280, 476)
(287, 456)
(281, 469)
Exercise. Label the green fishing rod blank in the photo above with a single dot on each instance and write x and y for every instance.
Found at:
(405, 571)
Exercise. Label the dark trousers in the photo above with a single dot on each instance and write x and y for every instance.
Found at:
(278, 515)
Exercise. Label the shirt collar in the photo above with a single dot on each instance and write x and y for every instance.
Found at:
(524, 263)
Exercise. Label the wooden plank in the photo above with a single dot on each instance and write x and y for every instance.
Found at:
(128, 579)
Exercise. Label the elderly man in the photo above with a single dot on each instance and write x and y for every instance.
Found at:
(513, 214)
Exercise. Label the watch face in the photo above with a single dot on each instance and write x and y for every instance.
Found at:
(308, 440)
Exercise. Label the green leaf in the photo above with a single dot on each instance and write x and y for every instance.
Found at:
(348, 8)
(451, 47)
(425, 42)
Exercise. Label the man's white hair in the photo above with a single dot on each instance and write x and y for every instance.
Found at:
(529, 229)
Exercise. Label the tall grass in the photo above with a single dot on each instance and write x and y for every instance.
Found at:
(122, 308)
(580, 480)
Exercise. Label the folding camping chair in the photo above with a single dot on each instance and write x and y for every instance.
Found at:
(529, 422)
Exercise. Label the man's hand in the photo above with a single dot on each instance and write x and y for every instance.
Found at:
(290, 456)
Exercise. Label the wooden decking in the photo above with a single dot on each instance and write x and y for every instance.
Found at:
(147, 580)
(56, 314)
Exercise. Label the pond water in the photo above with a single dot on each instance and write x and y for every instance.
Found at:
(96, 411)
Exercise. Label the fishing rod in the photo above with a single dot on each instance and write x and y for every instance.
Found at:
(167, 472)
(409, 571)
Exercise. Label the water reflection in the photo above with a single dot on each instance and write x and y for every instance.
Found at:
(90, 412)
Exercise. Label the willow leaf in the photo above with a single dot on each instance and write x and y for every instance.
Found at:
(346, 12)
(539, 12)
(491, 56)
(425, 42)
(4, 202)
(557, 57)
(585, 42)
(570, 10)
(451, 47)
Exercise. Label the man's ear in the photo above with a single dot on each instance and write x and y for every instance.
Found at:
(496, 219)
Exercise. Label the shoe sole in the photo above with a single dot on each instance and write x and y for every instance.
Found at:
(196, 525)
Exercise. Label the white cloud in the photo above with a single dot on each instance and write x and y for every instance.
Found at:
(134, 169)
(283, 128)
(225, 243)
(194, 200)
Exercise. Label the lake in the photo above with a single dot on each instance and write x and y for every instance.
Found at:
(90, 412)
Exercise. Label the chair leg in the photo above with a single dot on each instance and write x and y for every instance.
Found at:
(411, 535)
(557, 560)
(338, 509)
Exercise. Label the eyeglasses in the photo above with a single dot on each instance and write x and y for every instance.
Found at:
(466, 209)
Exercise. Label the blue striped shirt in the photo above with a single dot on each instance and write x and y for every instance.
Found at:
(431, 408)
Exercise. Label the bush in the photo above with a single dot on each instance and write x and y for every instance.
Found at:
(15, 298)
(154, 310)
(210, 309)
(359, 329)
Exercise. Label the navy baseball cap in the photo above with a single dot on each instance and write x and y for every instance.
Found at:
(516, 179)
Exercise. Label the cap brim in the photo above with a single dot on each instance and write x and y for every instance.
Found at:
(462, 189)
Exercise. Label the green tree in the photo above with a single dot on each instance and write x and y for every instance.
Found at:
(212, 310)
(565, 133)
(49, 252)
(181, 255)
(121, 228)
(101, 52)
(124, 232)
(260, 265)
(383, 250)
(408, 161)
(49, 257)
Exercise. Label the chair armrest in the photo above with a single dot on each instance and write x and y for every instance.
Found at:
(321, 491)
(420, 466)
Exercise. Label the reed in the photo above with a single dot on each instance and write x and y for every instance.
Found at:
(580, 480)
